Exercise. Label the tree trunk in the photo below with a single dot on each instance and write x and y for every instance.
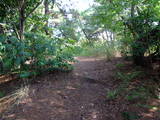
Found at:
(46, 12)
(21, 25)
(138, 58)
(1, 30)
(132, 9)
(21, 20)
(87, 37)
(1, 62)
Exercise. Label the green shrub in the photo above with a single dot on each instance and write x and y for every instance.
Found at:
(34, 54)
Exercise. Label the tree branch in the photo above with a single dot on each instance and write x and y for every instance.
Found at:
(15, 31)
(33, 9)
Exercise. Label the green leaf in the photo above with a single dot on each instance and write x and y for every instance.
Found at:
(25, 75)
(2, 94)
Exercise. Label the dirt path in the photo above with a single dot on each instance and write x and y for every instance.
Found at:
(79, 95)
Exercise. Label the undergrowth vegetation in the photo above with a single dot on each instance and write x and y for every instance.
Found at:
(34, 54)
(136, 86)
(125, 85)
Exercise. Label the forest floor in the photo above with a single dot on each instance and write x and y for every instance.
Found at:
(77, 95)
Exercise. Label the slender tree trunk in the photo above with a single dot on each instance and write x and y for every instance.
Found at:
(132, 9)
(46, 12)
(21, 19)
(86, 36)
(21, 25)
(1, 30)
(1, 60)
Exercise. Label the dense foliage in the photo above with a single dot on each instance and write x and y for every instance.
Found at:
(136, 25)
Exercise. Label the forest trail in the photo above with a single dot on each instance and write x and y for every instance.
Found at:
(77, 95)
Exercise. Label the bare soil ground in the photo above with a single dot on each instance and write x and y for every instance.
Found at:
(77, 95)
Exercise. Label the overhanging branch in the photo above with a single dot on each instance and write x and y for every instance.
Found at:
(33, 9)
